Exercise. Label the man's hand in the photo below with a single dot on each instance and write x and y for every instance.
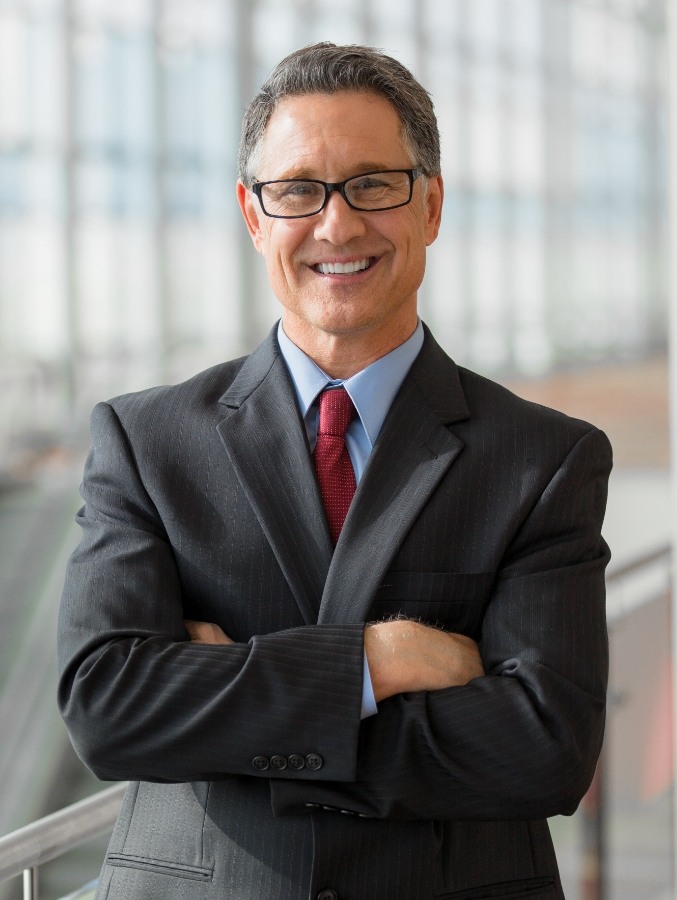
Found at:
(404, 655)
(205, 633)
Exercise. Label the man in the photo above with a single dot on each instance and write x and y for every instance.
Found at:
(213, 646)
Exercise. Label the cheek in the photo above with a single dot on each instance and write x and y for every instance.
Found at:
(283, 246)
(411, 247)
(281, 273)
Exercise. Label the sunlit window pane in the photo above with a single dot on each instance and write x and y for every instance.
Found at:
(14, 78)
(551, 124)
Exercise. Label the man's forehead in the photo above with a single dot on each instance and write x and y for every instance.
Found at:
(359, 127)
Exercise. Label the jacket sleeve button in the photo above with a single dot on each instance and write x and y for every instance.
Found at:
(278, 762)
(261, 763)
(327, 895)
(296, 761)
(314, 761)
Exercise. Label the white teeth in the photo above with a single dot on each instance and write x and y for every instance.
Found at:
(338, 268)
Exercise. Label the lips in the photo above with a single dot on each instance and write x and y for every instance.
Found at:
(344, 268)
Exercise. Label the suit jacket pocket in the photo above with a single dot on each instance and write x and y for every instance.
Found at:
(161, 828)
(160, 866)
(454, 601)
(531, 888)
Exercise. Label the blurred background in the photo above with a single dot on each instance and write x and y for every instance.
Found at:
(124, 263)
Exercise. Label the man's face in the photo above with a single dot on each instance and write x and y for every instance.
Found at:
(333, 137)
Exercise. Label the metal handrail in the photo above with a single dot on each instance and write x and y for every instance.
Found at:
(24, 850)
(619, 604)
(663, 551)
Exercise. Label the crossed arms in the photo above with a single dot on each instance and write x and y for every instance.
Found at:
(142, 702)
(403, 655)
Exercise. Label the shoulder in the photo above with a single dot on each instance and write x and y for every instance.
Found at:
(528, 430)
(489, 398)
(166, 409)
(204, 393)
(166, 429)
(487, 412)
(204, 389)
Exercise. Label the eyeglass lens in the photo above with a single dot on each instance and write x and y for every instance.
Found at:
(372, 191)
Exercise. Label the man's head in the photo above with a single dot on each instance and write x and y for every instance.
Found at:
(327, 69)
(341, 201)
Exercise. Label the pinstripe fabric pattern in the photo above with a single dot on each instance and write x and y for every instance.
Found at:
(482, 516)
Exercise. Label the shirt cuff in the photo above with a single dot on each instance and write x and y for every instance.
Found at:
(369, 707)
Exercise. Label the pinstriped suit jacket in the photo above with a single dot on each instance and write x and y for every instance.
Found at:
(252, 774)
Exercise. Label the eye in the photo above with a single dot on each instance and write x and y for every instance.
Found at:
(292, 191)
(299, 189)
(371, 182)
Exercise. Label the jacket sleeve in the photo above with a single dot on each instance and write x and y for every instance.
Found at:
(141, 702)
(522, 741)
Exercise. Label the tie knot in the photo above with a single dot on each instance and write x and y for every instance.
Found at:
(336, 412)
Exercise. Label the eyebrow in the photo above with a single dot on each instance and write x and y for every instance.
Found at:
(304, 174)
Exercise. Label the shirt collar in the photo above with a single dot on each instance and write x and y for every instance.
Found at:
(372, 390)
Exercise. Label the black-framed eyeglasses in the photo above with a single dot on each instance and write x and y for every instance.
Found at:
(295, 198)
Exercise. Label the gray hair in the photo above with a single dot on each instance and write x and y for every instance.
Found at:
(326, 68)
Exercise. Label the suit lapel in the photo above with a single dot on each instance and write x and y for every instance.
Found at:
(412, 454)
(264, 437)
(265, 440)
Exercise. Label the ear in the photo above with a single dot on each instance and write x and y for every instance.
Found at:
(251, 214)
(433, 208)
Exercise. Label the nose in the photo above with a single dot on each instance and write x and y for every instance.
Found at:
(338, 223)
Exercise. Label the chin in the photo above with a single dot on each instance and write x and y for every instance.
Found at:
(346, 324)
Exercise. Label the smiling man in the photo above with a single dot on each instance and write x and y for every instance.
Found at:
(241, 529)
(347, 281)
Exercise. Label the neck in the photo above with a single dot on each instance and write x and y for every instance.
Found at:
(344, 355)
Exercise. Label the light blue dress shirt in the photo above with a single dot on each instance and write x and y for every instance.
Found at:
(372, 391)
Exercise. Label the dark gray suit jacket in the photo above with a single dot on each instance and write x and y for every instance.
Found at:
(253, 776)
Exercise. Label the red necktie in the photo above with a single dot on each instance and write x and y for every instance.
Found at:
(334, 469)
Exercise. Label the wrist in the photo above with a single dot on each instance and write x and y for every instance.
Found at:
(385, 663)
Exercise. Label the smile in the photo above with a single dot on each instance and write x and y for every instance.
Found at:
(347, 268)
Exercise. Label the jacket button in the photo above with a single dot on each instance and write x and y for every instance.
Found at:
(314, 761)
(261, 763)
(327, 895)
(296, 761)
(278, 762)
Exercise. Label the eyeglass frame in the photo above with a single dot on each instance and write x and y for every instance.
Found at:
(339, 187)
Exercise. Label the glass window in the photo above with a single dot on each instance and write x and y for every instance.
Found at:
(489, 335)
(441, 22)
(275, 27)
(128, 13)
(523, 29)
(483, 24)
(623, 57)
(14, 78)
(589, 42)
(486, 136)
(579, 142)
